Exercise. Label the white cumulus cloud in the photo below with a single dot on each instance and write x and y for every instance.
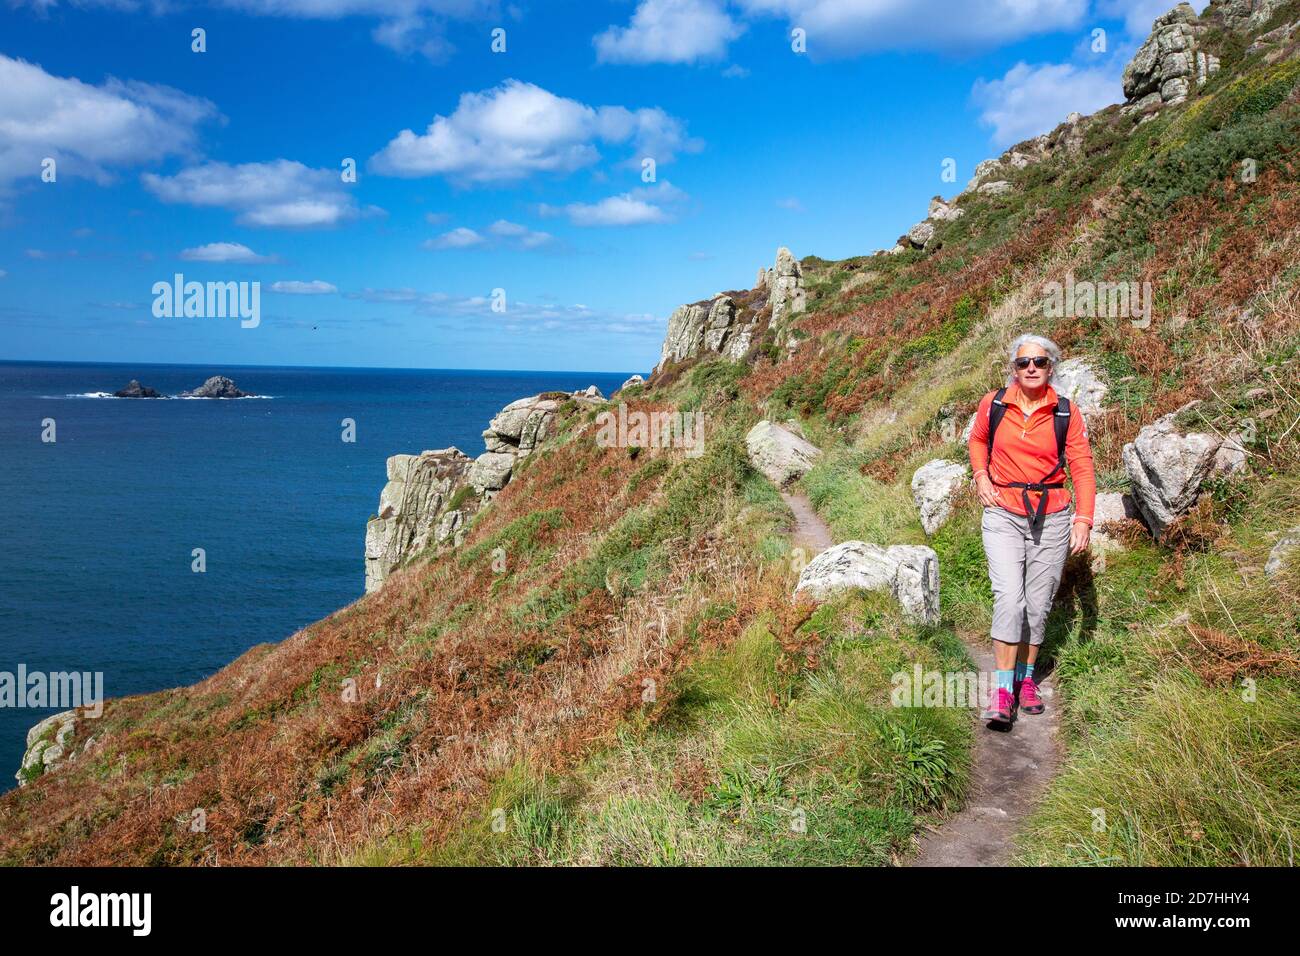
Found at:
(89, 131)
(526, 238)
(670, 31)
(518, 129)
(1029, 100)
(407, 26)
(281, 193)
(846, 27)
(223, 252)
(458, 238)
(296, 287)
(635, 208)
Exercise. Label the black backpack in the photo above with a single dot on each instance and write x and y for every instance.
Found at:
(1061, 423)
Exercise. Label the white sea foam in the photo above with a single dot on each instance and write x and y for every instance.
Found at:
(197, 398)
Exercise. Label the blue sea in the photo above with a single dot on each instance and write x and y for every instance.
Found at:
(98, 527)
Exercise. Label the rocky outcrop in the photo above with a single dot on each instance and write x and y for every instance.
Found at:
(934, 486)
(943, 211)
(416, 506)
(778, 453)
(135, 390)
(922, 234)
(413, 510)
(786, 294)
(637, 379)
(1244, 15)
(727, 324)
(718, 326)
(1274, 43)
(1281, 553)
(218, 386)
(491, 471)
(1169, 65)
(48, 745)
(919, 236)
(1166, 467)
(523, 424)
(908, 572)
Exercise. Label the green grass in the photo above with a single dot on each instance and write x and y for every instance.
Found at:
(751, 765)
(858, 507)
(1165, 769)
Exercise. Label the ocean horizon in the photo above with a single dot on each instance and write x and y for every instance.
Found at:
(102, 523)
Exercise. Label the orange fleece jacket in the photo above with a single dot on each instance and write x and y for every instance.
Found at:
(1026, 451)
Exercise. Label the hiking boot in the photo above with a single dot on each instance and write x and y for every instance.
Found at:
(1028, 698)
(1001, 707)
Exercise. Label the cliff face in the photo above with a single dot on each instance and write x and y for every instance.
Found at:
(430, 498)
(416, 509)
(731, 324)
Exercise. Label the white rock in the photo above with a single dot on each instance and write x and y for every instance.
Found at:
(778, 453)
(637, 379)
(787, 296)
(410, 506)
(1078, 380)
(1231, 458)
(943, 211)
(934, 485)
(525, 422)
(920, 234)
(491, 471)
(910, 573)
(1166, 468)
(1282, 551)
(970, 427)
(47, 743)
(1113, 506)
(1110, 506)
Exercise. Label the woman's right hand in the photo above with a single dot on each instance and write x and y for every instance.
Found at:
(985, 491)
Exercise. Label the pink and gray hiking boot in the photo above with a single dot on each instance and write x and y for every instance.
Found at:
(1028, 698)
(1001, 708)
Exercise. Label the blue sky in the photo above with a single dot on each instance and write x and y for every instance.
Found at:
(478, 170)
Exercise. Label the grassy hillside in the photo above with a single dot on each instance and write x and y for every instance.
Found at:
(636, 685)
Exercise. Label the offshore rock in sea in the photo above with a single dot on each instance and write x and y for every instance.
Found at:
(218, 386)
(135, 390)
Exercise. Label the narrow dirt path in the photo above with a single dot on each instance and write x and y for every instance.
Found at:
(810, 531)
(1010, 770)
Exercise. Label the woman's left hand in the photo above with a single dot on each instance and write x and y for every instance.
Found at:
(1079, 534)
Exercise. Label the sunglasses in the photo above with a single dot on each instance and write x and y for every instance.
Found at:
(1040, 361)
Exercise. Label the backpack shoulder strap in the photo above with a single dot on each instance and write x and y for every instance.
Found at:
(997, 409)
(1061, 420)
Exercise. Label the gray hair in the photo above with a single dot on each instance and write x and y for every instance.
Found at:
(1047, 345)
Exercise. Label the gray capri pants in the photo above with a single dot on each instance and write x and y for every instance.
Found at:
(1024, 572)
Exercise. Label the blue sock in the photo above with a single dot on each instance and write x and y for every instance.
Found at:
(1004, 679)
(1024, 670)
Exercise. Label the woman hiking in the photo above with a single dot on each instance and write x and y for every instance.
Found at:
(1024, 438)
